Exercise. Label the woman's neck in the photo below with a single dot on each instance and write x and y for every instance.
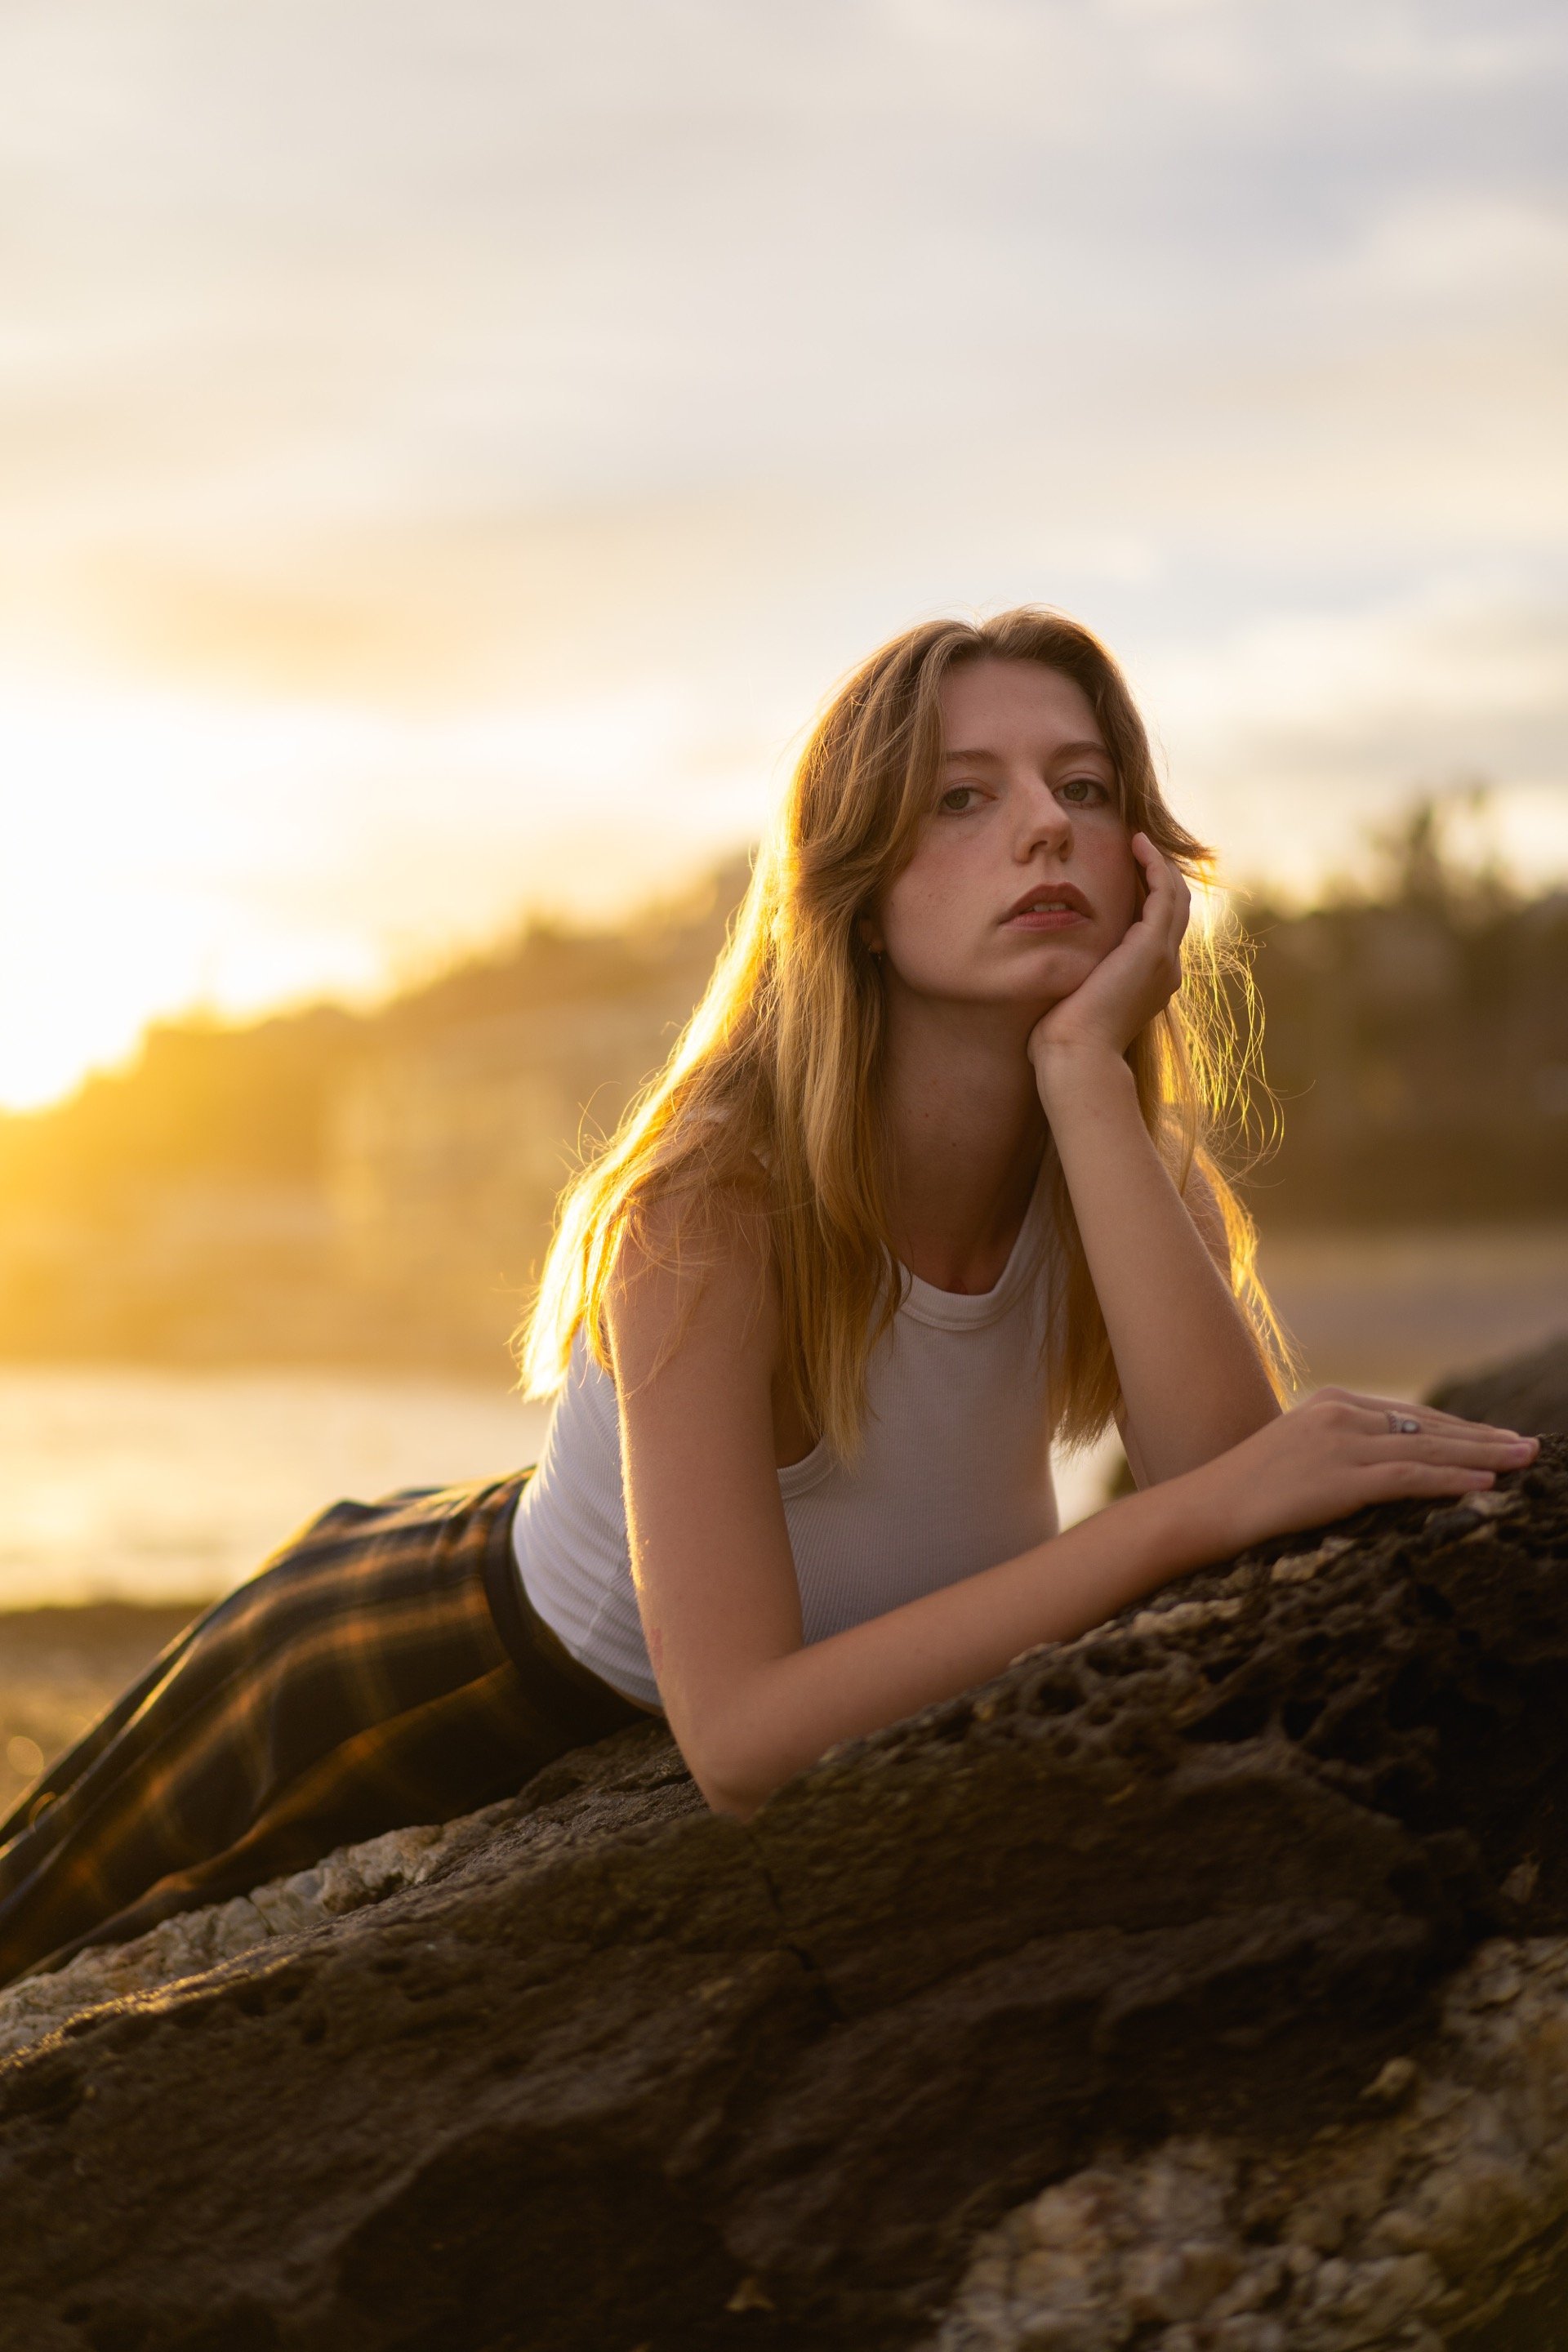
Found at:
(965, 1133)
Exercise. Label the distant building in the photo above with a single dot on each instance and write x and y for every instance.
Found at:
(444, 1155)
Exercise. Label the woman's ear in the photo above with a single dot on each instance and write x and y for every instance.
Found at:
(869, 935)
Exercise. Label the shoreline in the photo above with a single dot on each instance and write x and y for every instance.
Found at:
(62, 1665)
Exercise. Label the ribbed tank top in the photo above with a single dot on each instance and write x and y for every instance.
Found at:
(953, 1473)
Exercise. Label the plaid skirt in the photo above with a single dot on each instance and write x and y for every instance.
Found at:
(383, 1669)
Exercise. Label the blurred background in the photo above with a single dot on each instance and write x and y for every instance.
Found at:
(446, 452)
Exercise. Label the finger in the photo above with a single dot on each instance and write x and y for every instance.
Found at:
(1460, 1441)
(1171, 882)
(1392, 1481)
(1183, 902)
(1476, 1453)
(1427, 1415)
(1166, 900)
(1157, 869)
(1434, 1421)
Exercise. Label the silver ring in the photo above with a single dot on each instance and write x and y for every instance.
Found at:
(1401, 1425)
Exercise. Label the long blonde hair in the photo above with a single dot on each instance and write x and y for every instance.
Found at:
(773, 1090)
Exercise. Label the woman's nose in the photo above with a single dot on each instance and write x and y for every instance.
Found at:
(1045, 824)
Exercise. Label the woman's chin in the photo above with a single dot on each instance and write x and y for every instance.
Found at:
(1054, 969)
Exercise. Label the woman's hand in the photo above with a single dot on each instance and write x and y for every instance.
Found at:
(1338, 1451)
(1125, 990)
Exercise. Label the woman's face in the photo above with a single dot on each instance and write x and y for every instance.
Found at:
(1023, 879)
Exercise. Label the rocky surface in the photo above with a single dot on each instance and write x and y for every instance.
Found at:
(1437, 2206)
(195, 1941)
(1200, 1983)
(1528, 1393)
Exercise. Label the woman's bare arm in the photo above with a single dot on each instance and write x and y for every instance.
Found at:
(749, 1704)
(1193, 1382)
(1208, 1218)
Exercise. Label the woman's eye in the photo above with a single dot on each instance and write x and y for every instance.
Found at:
(958, 799)
(1086, 791)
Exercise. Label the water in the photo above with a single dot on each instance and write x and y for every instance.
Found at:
(140, 1485)
(143, 1485)
(171, 1486)
(1396, 1311)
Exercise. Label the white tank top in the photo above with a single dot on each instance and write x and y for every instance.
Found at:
(953, 1474)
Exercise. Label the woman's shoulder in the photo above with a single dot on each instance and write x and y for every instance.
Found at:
(721, 1215)
(694, 1267)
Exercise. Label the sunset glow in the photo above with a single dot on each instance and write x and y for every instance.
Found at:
(441, 492)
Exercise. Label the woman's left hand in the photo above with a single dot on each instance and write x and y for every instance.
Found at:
(1125, 990)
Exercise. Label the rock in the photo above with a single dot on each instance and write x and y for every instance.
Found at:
(195, 1941)
(1528, 1393)
(1419, 2229)
(1201, 1983)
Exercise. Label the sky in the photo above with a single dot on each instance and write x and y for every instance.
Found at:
(449, 447)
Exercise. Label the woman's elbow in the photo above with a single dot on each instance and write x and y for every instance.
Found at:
(731, 1777)
(744, 1739)
(730, 1802)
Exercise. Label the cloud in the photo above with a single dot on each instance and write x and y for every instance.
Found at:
(1490, 250)
(385, 385)
(1296, 735)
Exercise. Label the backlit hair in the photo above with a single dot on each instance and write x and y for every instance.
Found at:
(773, 1092)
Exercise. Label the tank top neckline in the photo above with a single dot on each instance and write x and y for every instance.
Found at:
(968, 1310)
(948, 1310)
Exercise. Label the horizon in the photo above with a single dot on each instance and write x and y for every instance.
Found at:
(1463, 837)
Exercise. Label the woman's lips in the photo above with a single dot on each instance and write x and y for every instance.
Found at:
(1051, 903)
(1046, 918)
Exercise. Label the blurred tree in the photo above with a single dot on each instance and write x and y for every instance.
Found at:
(379, 1186)
(1417, 1033)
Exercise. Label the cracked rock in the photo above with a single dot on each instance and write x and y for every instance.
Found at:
(1202, 1983)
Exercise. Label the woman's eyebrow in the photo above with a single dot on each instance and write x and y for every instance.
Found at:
(1062, 751)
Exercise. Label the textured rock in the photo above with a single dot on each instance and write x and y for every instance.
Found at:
(195, 1941)
(1434, 2208)
(1137, 1928)
(1528, 1393)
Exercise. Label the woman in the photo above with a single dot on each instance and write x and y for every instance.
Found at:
(924, 1184)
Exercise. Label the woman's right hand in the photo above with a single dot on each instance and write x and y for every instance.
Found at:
(1338, 1451)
